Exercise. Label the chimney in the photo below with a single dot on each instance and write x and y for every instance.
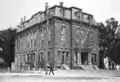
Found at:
(61, 4)
(21, 21)
(46, 6)
(24, 18)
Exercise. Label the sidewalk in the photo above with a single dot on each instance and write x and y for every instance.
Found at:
(61, 73)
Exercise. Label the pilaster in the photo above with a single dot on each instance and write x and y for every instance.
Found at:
(89, 59)
(79, 58)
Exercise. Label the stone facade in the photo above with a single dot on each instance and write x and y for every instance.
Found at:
(38, 43)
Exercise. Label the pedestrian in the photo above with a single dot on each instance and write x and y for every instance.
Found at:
(117, 67)
(51, 69)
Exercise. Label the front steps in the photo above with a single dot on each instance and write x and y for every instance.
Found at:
(86, 67)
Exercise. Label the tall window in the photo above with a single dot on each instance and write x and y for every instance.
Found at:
(28, 41)
(49, 36)
(93, 58)
(42, 38)
(17, 44)
(48, 55)
(63, 32)
(63, 57)
(33, 56)
(63, 29)
(76, 57)
(78, 15)
(24, 58)
(62, 12)
(31, 42)
(67, 55)
(41, 58)
(82, 33)
(23, 42)
(91, 37)
(59, 55)
(78, 35)
(35, 43)
(28, 58)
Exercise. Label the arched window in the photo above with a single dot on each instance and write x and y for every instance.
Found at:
(63, 30)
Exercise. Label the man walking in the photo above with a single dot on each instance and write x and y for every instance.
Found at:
(51, 69)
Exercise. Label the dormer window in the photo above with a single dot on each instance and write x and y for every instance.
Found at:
(78, 15)
(62, 12)
(89, 19)
(75, 14)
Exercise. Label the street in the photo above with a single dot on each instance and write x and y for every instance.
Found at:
(61, 76)
(53, 79)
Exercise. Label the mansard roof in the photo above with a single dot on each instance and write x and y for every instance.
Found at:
(36, 17)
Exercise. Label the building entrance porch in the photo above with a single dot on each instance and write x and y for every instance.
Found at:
(85, 58)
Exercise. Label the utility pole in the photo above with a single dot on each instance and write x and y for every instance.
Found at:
(71, 39)
(47, 18)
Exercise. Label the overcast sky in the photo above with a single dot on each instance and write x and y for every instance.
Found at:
(11, 11)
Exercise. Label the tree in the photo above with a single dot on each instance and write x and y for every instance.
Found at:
(7, 45)
(107, 38)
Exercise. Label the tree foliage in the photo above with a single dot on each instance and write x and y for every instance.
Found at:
(108, 41)
(7, 45)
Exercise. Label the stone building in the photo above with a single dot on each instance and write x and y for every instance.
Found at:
(59, 35)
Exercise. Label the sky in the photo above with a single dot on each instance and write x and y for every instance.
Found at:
(11, 11)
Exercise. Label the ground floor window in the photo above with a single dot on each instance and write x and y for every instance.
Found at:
(67, 56)
(41, 56)
(93, 58)
(48, 56)
(59, 56)
(33, 56)
(63, 57)
(76, 57)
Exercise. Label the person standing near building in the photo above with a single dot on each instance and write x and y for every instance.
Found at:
(51, 69)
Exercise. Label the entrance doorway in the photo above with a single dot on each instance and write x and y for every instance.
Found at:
(63, 57)
(84, 58)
